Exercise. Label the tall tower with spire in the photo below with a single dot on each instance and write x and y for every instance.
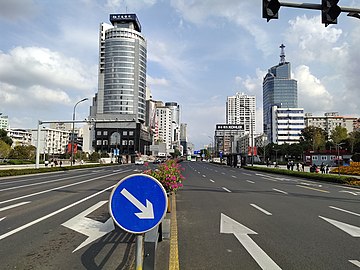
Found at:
(278, 90)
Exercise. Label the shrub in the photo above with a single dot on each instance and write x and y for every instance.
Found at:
(168, 174)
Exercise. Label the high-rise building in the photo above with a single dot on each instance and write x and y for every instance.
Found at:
(278, 90)
(287, 124)
(4, 121)
(119, 106)
(240, 109)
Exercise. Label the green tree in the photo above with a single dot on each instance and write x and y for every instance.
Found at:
(4, 149)
(313, 138)
(23, 152)
(339, 134)
(4, 137)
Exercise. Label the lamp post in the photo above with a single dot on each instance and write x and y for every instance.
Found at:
(213, 146)
(338, 156)
(73, 131)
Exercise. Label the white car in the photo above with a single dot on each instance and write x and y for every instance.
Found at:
(139, 162)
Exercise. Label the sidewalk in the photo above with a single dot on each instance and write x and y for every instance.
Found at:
(306, 169)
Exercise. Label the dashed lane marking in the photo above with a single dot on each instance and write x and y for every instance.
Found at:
(315, 189)
(278, 190)
(224, 188)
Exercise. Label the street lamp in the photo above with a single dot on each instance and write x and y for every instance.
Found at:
(73, 131)
(338, 156)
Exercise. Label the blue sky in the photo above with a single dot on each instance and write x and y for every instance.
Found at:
(199, 52)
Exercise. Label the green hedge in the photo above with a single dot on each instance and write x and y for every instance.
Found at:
(342, 179)
(14, 172)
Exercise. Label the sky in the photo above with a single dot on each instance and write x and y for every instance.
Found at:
(199, 53)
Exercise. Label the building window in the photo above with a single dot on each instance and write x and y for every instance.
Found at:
(131, 142)
(314, 158)
(105, 133)
(131, 133)
(125, 133)
(98, 133)
(124, 142)
(323, 157)
(98, 142)
(105, 142)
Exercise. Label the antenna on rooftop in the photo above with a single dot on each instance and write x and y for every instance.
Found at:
(282, 54)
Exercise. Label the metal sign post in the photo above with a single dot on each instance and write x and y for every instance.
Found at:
(138, 204)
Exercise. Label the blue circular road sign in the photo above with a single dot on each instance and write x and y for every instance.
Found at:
(138, 203)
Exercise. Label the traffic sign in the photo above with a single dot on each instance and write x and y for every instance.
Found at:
(138, 203)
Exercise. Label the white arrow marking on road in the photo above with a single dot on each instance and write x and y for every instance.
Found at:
(93, 229)
(350, 229)
(355, 262)
(230, 226)
(147, 211)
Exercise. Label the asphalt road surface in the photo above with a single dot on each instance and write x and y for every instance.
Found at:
(227, 218)
(61, 221)
(231, 218)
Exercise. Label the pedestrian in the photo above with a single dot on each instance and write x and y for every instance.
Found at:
(322, 168)
(327, 168)
(60, 163)
(303, 166)
(298, 166)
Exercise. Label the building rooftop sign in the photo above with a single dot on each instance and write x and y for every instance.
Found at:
(230, 127)
(126, 18)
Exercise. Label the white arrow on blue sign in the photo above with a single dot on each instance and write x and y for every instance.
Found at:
(138, 203)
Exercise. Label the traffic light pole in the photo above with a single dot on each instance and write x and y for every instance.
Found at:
(317, 7)
(330, 9)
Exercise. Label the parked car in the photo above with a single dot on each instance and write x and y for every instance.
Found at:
(139, 162)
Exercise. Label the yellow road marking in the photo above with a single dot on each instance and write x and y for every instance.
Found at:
(325, 191)
(174, 251)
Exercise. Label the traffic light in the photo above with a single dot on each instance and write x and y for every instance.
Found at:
(330, 11)
(271, 9)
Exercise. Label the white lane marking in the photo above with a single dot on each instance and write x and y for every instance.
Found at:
(39, 183)
(198, 172)
(355, 262)
(212, 181)
(13, 206)
(203, 175)
(269, 178)
(57, 188)
(247, 174)
(250, 181)
(216, 171)
(241, 232)
(260, 209)
(222, 173)
(349, 229)
(320, 190)
(224, 188)
(2, 218)
(310, 184)
(346, 211)
(233, 176)
(350, 192)
(93, 229)
(278, 190)
(52, 214)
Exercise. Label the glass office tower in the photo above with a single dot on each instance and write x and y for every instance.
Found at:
(278, 90)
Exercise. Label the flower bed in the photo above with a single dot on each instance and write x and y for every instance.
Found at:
(353, 169)
(168, 174)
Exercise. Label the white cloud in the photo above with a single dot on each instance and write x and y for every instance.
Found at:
(314, 42)
(312, 94)
(129, 5)
(29, 66)
(156, 81)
